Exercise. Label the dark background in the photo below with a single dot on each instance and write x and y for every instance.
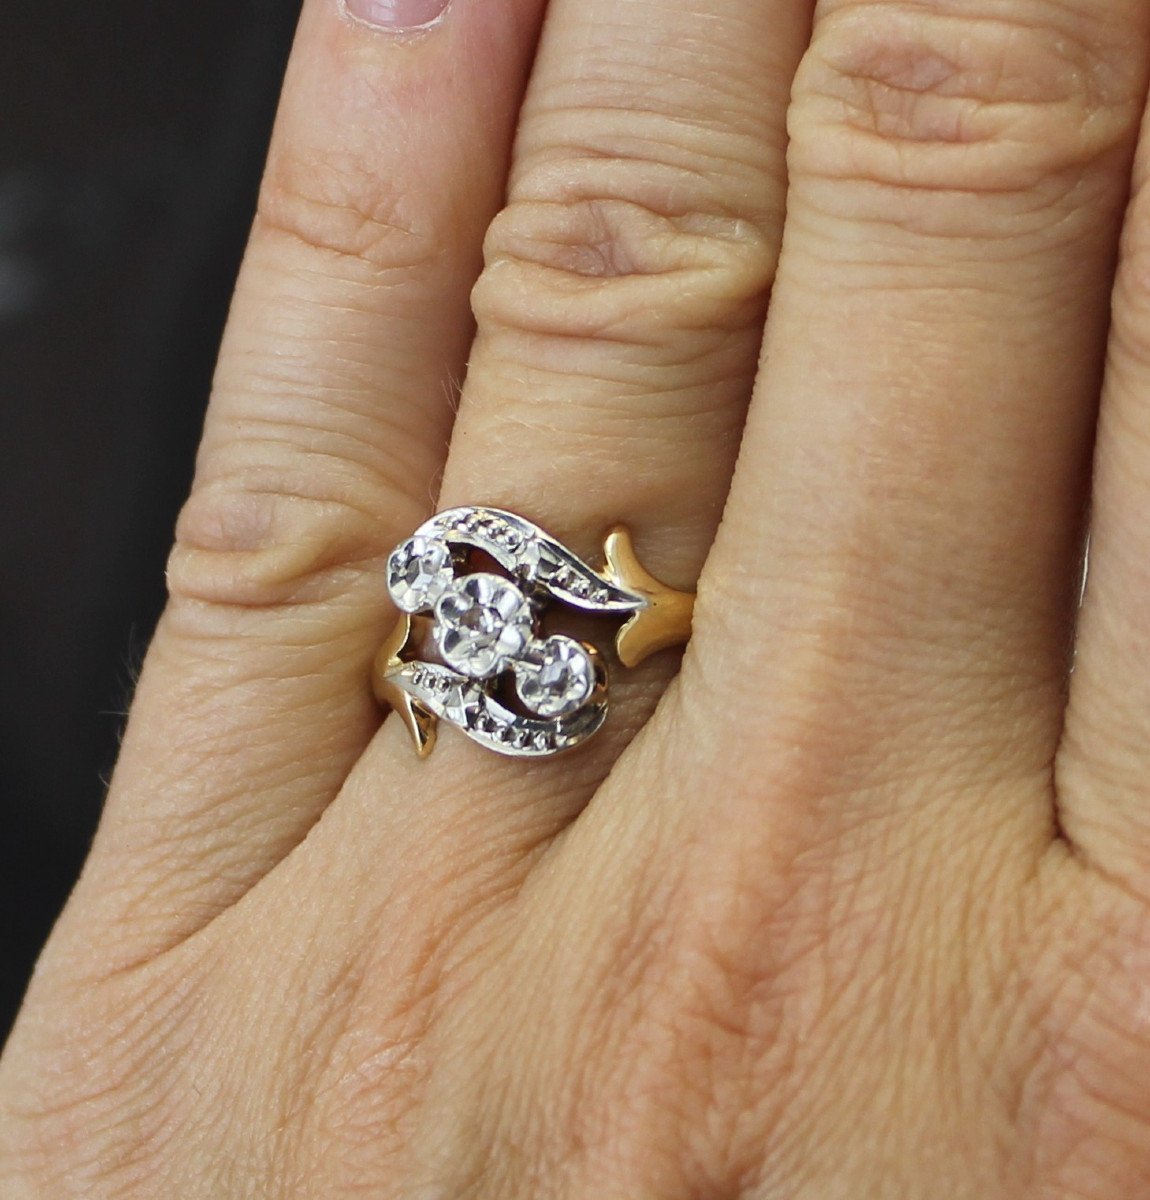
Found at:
(131, 138)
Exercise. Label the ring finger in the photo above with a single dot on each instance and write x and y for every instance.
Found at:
(621, 309)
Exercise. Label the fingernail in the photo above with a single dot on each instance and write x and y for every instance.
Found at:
(400, 16)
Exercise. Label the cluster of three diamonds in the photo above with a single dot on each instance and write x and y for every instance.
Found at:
(485, 625)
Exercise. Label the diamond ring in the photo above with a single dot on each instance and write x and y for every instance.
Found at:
(473, 586)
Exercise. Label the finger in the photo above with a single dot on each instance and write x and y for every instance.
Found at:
(619, 318)
(893, 586)
(324, 439)
(1104, 761)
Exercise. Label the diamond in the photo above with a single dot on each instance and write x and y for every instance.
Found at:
(419, 571)
(526, 553)
(483, 623)
(458, 704)
(555, 677)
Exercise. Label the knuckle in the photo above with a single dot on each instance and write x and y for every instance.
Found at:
(343, 210)
(277, 536)
(922, 104)
(623, 249)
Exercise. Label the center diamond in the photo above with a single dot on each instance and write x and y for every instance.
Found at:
(483, 623)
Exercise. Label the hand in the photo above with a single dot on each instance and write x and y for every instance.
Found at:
(863, 910)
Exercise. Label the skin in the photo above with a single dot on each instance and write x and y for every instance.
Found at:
(856, 903)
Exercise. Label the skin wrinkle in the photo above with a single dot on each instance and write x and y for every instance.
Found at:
(919, 175)
(1061, 1013)
(628, 138)
(351, 457)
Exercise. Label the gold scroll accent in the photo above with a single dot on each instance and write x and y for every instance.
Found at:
(422, 724)
(666, 620)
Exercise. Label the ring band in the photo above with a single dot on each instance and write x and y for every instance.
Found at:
(470, 647)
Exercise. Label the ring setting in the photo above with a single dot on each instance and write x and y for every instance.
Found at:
(474, 585)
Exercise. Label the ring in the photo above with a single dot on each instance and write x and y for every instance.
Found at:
(474, 586)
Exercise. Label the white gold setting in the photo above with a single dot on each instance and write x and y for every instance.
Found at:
(419, 571)
(482, 625)
(487, 631)
(555, 677)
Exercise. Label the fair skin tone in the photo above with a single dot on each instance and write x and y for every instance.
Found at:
(862, 907)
